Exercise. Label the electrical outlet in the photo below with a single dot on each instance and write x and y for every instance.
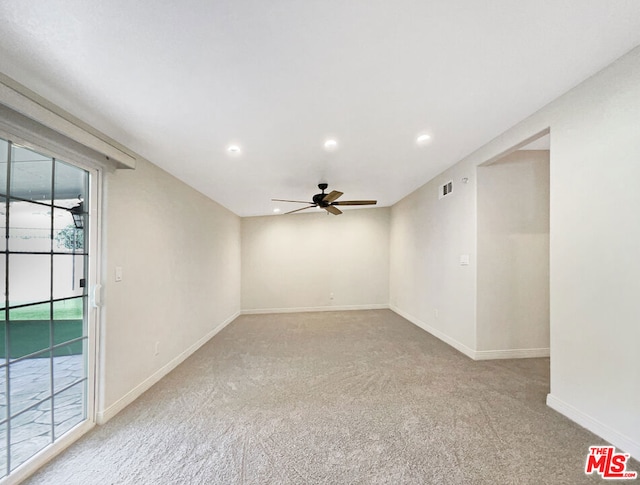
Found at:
(436, 313)
(331, 296)
(156, 348)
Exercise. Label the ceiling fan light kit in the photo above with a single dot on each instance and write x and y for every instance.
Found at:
(327, 202)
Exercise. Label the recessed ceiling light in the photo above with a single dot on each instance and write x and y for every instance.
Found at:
(423, 139)
(276, 210)
(234, 149)
(330, 145)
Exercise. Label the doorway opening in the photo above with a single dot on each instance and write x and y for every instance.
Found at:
(513, 253)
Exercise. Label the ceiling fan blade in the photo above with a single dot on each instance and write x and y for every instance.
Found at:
(356, 202)
(331, 196)
(297, 201)
(334, 210)
(308, 207)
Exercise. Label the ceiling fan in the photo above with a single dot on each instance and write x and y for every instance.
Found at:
(326, 201)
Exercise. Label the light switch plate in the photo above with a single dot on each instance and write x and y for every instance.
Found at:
(464, 260)
(118, 273)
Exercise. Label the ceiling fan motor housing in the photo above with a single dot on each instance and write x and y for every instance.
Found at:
(318, 199)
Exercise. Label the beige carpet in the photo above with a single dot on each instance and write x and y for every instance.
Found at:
(359, 397)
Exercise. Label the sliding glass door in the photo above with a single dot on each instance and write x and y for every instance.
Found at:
(44, 271)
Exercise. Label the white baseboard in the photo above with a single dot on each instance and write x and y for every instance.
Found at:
(469, 352)
(260, 311)
(511, 354)
(436, 333)
(607, 433)
(106, 414)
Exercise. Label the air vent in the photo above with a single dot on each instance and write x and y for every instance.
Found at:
(445, 189)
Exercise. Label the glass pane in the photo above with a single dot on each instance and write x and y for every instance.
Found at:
(30, 432)
(67, 237)
(48, 219)
(71, 185)
(37, 311)
(29, 278)
(3, 450)
(30, 175)
(68, 325)
(3, 284)
(30, 381)
(68, 310)
(3, 222)
(68, 362)
(72, 348)
(69, 408)
(29, 227)
(68, 271)
(69, 368)
(28, 337)
(3, 393)
(4, 152)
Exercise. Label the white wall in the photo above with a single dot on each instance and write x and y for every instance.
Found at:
(428, 286)
(295, 262)
(594, 235)
(180, 255)
(513, 255)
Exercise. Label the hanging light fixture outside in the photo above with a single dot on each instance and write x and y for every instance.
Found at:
(77, 213)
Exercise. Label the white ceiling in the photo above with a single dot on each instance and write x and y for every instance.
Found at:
(177, 82)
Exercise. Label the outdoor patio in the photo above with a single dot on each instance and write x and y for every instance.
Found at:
(32, 425)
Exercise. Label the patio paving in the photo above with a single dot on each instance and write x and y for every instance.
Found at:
(31, 430)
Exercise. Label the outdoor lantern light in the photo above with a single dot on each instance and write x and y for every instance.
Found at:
(78, 216)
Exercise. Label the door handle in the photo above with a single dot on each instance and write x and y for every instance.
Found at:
(96, 296)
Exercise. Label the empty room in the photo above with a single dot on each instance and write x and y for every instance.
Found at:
(319, 242)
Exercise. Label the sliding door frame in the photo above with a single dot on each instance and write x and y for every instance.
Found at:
(93, 308)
